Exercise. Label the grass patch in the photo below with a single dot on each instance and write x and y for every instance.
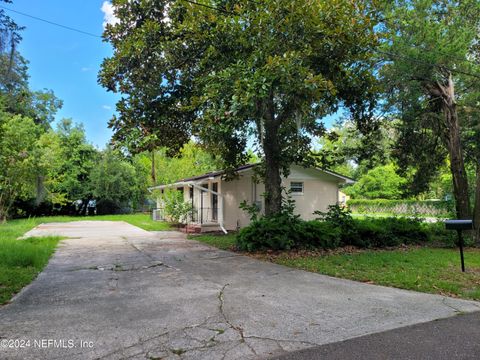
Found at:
(18, 227)
(221, 241)
(421, 269)
(22, 260)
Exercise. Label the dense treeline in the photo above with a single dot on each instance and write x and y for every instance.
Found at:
(48, 167)
(373, 162)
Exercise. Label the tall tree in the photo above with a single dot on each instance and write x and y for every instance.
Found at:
(115, 183)
(18, 147)
(71, 160)
(229, 70)
(428, 46)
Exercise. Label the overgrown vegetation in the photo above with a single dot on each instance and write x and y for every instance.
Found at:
(21, 261)
(176, 209)
(337, 228)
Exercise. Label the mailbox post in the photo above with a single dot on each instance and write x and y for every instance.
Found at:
(459, 225)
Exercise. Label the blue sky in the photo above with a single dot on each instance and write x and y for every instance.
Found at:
(68, 62)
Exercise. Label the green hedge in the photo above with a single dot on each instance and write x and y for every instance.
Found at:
(278, 233)
(404, 207)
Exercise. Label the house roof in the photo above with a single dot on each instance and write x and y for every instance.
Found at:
(189, 180)
(216, 173)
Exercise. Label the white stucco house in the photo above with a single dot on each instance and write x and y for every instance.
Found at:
(216, 201)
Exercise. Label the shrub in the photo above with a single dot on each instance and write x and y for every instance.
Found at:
(319, 234)
(340, 217)
(337, 228)
(446, 238)
(176, 209)
(386, 232)
(283, 233)
(368, 234)
(276, 232)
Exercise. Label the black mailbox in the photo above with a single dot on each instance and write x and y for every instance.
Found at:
(459, 225)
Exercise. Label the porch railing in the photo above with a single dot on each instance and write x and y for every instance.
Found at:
(199, 215)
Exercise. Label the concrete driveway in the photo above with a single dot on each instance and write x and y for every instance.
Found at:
(114, 291)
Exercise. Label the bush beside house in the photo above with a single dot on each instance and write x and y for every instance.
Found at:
(337, 228)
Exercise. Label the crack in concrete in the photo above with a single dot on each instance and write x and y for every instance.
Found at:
(148, 256)
(120, 267)
(132, 346)
(206, 343)
(238, 329)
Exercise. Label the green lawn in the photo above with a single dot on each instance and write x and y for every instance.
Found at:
(224, 242)
(421, 269)
(22, 260)
(432, 270)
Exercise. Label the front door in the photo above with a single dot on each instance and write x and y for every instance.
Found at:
(215, 202)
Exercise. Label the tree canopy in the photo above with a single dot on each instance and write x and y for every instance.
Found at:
(230, 70)
(429, 72)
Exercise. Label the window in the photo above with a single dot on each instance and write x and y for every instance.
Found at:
(296, 187)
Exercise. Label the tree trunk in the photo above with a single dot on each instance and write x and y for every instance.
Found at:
(271, 149)
(457, 168)
(451, 137)
(454, 146)
(476, 210)
(154, 175)
(40, 190)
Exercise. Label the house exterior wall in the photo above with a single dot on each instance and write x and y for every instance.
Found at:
(319, 191)
(234, 192)
(317, 195)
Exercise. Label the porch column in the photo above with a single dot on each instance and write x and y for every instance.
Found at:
(220, 210)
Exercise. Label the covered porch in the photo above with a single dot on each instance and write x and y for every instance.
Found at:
(205, 198)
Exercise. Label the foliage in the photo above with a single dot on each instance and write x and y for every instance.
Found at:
(348, 151)
(253, 210)
(387, 232)
(114, 181)
(277, 232)
(337, 228)
(381, 182)
(319, 235)
(175, 208)
(17, 160)
(340, 217)
(401, 207)
(337, 215)
(233, 71)
(191, 160)
(68, 161)
(430, 54)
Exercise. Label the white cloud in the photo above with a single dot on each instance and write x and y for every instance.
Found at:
(108, 15)
(86, 68)
(107, 107)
